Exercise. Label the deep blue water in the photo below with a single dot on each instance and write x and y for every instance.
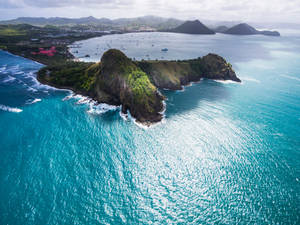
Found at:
(226, 153)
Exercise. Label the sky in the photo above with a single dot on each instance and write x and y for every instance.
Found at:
(218, 10)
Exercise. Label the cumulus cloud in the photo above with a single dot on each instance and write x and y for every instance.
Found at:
(61, 3)
(245, 10)
(7, 4)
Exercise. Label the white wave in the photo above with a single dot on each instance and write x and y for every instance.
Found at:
(68, 97)
(33, 101)
(182, 89)
(10, 109)
(31, 89)
(20, 72)
(37, 85)
(146, 126)
(3, 68)
(278, 134)
(250, 79)
(101, 108)
(140, 125)
(164, 108)
(13, 69)
(124, 116)
(226, 81)
(291, 77)
(83, 100)
(8, 79)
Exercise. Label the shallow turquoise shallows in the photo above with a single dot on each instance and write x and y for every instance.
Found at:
(226, 153)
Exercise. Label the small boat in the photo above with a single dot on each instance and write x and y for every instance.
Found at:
(165, 50)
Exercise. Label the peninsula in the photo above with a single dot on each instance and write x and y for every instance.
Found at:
(245, 29)
(117, 80)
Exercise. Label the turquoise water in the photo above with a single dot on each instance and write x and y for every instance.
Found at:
(226, 153)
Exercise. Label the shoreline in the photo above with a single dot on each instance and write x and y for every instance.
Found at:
(86, 93)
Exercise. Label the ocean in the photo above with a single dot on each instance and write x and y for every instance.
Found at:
(226, 153)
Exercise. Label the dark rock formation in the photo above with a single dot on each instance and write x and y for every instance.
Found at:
(192, 27)
(246, 29)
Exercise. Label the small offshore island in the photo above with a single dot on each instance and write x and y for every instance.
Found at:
(117, 80)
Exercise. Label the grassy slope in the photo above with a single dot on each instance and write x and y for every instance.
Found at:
(171, 74)
(78, 76)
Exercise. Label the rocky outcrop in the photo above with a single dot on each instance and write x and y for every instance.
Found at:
(217, 68)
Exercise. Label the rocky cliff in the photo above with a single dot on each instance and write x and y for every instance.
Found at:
(174, 74)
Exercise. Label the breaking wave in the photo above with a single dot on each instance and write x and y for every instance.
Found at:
(10, 109)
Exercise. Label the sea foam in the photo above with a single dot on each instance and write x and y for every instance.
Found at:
(101, 108)
(291, 77)
(10, 109)
(8, 79)
(32, 101)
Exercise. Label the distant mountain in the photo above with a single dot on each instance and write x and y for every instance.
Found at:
(220, 29)
(245, 29)
(192, 27)
(57, 21)
(147, 21)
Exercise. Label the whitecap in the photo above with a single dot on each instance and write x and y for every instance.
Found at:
(226, 81)
(124, 116)
(278, 134)
(68, 97)
(8, 79)
(250, 79)
(3, 68)
(291, 77)
(10, 109)
(14, 69)
(83, 100)
(32, 101)
(101, 108)
(19, 72)
(150, 125)
(37, 85)
(31, 89)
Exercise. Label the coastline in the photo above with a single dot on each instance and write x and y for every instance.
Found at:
(147, 122)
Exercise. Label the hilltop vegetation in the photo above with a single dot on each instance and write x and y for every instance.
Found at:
(79, 76)
(137, 23)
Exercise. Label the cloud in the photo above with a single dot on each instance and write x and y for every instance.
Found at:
(10, 4)
(74, 3)
(230, 10)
